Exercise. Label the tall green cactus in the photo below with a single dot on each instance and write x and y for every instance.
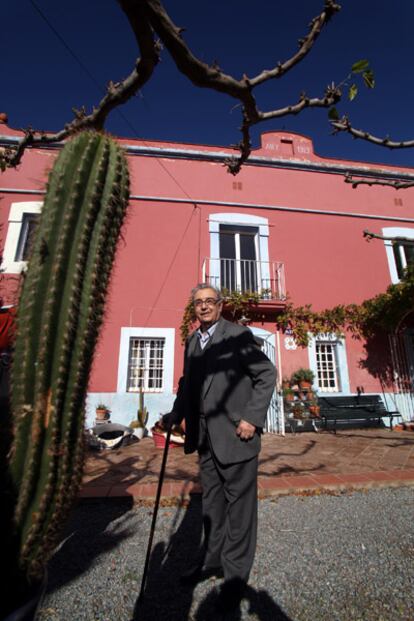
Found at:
(60, 311)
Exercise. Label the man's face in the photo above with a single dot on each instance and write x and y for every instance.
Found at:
(206, 307)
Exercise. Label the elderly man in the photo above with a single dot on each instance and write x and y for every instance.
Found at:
(223, 396)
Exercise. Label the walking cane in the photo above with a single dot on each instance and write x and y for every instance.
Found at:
(154, 515)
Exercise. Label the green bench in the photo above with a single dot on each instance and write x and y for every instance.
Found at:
(353, 408)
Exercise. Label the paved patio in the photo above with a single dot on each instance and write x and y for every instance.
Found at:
(301, 463)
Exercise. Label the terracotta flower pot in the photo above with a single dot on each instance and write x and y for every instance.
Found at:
(159, 440)
(314, 410)
(101, 413)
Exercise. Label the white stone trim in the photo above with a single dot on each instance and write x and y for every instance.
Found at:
(137, 332)
(15, 220)
(342, 363)
(394, 231)
(215, 219)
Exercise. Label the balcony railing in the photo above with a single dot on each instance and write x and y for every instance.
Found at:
(267, 278)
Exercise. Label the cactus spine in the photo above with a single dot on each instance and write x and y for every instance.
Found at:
(60, 311)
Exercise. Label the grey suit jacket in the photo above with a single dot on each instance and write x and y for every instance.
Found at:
(238, 384)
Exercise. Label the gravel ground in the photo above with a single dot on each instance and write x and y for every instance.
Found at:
(345, 557)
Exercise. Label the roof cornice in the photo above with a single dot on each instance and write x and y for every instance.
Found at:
(333, 167)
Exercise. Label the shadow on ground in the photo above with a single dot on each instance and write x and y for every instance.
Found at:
(165, 598)
(85, 538)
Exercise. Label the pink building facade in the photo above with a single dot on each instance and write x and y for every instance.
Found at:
(287, 226)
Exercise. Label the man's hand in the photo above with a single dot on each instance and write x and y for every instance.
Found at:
(245, 430)
(168, 420)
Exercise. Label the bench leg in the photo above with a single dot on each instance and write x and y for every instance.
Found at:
(315, 426)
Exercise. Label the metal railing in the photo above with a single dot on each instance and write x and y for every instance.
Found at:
(267, 278)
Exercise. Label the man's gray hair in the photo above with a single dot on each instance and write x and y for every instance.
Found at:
(205, 285)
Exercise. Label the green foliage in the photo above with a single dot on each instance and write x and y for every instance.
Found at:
(302, 375)
(142, 417)
(236, 303)
(60, 312)
(383, 313)
(369, 78)
(360, 69)
(360, 66)
(188, 320)
(353, 92)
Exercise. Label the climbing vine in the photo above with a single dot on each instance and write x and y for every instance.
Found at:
(384, 312)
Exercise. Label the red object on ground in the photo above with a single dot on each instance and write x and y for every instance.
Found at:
(7, 327)
(159, 441)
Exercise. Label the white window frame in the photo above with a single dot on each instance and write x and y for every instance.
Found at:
(240, 220)
(394, 231)
(168, 334)
(15, 223)
(146, 364)
(341, 363)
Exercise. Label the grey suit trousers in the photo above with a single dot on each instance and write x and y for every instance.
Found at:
(229, 510)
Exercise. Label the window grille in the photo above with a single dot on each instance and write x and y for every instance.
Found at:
(146, 365)
(327, 368)
(239, 265)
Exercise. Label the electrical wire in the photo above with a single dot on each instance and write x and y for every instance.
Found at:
(99, 87)
(135, 133)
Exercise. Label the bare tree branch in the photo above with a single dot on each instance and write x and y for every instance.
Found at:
(344, 125)
(397, 185)
(398, 240)
(332, 96)
(206, 76)
(147, 18)
(117, 93)
(306, 45)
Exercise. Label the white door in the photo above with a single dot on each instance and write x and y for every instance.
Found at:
(275, 416)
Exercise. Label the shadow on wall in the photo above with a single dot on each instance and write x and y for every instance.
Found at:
(391, 354)
(378, 361)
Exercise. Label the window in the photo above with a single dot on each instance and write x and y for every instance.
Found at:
(238, 257)
(146, 359)
(27, 231)
(403, 256)
(328, 361)
(327, 366)
(399, 250)
(22, 223)
(146, 364)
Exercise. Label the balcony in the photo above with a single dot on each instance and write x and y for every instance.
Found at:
(267, 278)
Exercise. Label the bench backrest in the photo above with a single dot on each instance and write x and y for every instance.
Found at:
(361, 401)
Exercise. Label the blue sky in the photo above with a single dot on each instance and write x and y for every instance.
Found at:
(41, 80)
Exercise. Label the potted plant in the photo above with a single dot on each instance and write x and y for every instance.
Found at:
(140, 422)
(298, 411)
(314, 409)
(288, 394)
(303, 378)
(285, 383)
(60, 311)
(102, 411)
(159, 435)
